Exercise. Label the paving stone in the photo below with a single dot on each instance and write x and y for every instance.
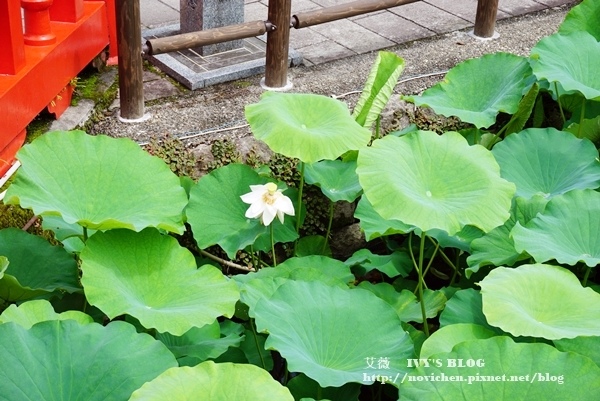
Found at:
(394, 27)
(430, 17)
(466, 9)
(159, 89)
(352, 36)
(155, 13)
(518, 7)
(74, 116)
(300, 6)
(554, 3)
(305, 37)
(174, 4)
(323, 52)
(255, 12)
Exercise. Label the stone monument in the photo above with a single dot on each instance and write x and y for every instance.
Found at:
(199, 15)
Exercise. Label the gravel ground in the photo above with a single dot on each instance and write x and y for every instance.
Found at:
(196, 112)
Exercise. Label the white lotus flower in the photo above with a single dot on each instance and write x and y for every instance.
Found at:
(266, 202)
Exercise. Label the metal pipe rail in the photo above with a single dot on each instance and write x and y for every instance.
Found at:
(207, 37)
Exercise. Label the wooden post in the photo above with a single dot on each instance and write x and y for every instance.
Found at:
(485, 21)
(12, 56)
(129, 39)
(278, 44)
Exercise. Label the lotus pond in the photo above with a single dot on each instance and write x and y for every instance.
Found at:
(479, 280)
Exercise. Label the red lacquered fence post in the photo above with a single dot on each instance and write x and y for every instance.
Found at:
(12, 56)
(38, 31)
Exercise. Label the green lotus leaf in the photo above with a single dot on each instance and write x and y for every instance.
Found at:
(570, 59)
(35, 267)
(514, 371)
(589, 128)
(211, 381)
(526, 106)
(64, 360)
(378, 89)
(337, 179)
(305, 126)
(540, 301)
(396, 264)
(405, 303)
(587, 346)
(308, 324)
(566, 231)
(560, 162)
(262, 284)
(497, 247)
(444, 339)
(201, 343)
(465, 306)
(376, 226)
(461, 240)
(582, 17)
(435, 182)
(31, 312)
(217, 214)
(470, 90)
(312, 245)
(302, 386)
(71, 235)
(150, 277)
(97, 182)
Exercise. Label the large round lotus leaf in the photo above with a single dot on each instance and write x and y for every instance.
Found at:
(547, 162)
(432, 181)
(211, 381)
(507, 371)
(398, 263)
(583, 17)
(315, 327)
(471, 90)
(262, 284)
(444, 339)
(35, 267)
(31, 312)
(336, 178)
(217, 214)
(540, 301)
(98, 182)
(566, 231)
(66, 361)
(572, 60)
(150, 277)
(305, 126)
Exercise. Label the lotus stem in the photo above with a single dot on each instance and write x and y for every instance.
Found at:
(226, 262)
(300, 188)
(585, 276)
(437, 247)
(377, 126)
(273, 246)
(562, 113)
(420, 284)
(448, 261)
(331, 204)
(85, 234)
(581, 118)
(31, 221)
(262, 360)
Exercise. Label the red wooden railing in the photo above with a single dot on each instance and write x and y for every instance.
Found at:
(44, 44)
